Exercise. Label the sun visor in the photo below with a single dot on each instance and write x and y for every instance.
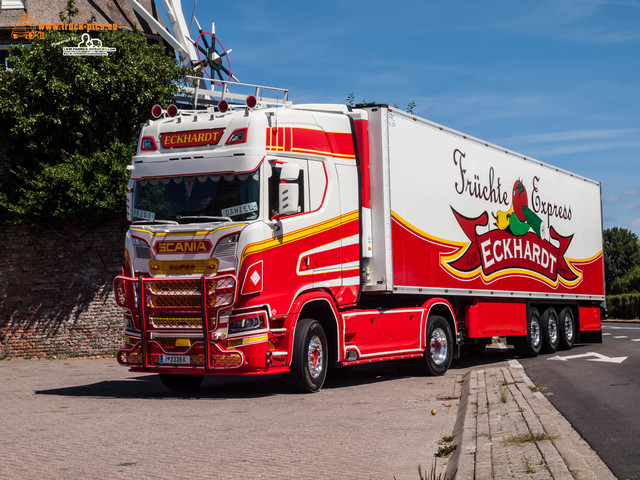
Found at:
(173, 166)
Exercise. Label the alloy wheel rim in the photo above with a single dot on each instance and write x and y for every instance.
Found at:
(315, 357)
(535, 332)
(438, 346)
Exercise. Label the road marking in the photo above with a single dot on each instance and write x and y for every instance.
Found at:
(599, 358)
(620, 336)
(604, 334)
(635, 339)
(620, 328)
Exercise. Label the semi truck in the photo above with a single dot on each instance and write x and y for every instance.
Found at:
(268, 237)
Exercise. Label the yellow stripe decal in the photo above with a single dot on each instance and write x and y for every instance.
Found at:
(298, 234)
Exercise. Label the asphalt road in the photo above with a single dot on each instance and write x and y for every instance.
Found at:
(601, 400)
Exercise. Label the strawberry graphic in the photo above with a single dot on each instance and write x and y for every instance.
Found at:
(519, 200)
(523, 218)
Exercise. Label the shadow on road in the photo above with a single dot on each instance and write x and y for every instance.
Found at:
(226, 387)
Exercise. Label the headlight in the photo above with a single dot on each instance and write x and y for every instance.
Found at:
(226, 247)
(141, 248)
(249, 323)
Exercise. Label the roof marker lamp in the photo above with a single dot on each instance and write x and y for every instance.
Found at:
(251, 101)
(172, 110)
(223, 106)
(156, 111)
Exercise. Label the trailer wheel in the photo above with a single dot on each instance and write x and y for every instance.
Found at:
(309, 363)
(531, 344)
(181, 383)
(567, 329)
(439, 351)
(550, 330)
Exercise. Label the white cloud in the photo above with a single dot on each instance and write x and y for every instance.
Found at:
(579, 135)
(633, 191)
(635, 223)
(611, 199)
(576, 141)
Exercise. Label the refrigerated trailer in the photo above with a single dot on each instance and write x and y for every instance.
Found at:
(268, 238)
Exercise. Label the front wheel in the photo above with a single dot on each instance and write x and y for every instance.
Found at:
(309, 364)
(181, 383)
(439, 351)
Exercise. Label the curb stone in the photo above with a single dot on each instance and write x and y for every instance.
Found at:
(497, 405)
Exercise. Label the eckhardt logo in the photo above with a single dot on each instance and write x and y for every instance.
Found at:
(191, 138)
(520, 241)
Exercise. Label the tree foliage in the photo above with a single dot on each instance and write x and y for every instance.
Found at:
(621, 259)
(70, 123)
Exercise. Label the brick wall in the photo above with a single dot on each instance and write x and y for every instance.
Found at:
(55, 288)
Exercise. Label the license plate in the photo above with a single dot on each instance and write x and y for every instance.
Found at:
(176, 359)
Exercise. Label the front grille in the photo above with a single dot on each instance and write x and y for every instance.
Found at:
(174, 286)
(171, 342)
(175, 320)
(160, 301)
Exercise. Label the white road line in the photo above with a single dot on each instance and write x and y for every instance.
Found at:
(604, 334)
(635, 339)
(610, 327)
(620, 336)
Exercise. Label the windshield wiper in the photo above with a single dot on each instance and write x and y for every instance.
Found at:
(204, 217)
(162, 222)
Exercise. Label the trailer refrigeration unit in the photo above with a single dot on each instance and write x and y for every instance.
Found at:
(274, 238)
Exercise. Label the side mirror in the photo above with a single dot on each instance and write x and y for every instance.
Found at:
(288, 198)
(288, 193)
(130, 196)
(289, 172)
(130, 206)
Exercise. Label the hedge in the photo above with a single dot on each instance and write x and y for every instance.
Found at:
(625, 306)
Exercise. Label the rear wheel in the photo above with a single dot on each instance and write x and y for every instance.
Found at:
(550, 330)
(567, 329)
(531, 344)
(309, 364)
(181, 383)
(439, 351)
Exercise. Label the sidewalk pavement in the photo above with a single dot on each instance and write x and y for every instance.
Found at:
(506, 429)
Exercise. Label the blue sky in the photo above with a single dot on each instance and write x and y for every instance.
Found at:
(557, 80)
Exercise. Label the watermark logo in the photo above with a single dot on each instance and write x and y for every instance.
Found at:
(26, 28)
(91, 47)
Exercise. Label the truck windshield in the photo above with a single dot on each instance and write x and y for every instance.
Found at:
(223, 195)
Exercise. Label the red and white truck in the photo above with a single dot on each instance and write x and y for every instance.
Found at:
(269, 238)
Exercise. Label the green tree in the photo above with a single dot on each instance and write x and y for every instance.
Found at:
(70, 123)
(621, 256)
(628, 283)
